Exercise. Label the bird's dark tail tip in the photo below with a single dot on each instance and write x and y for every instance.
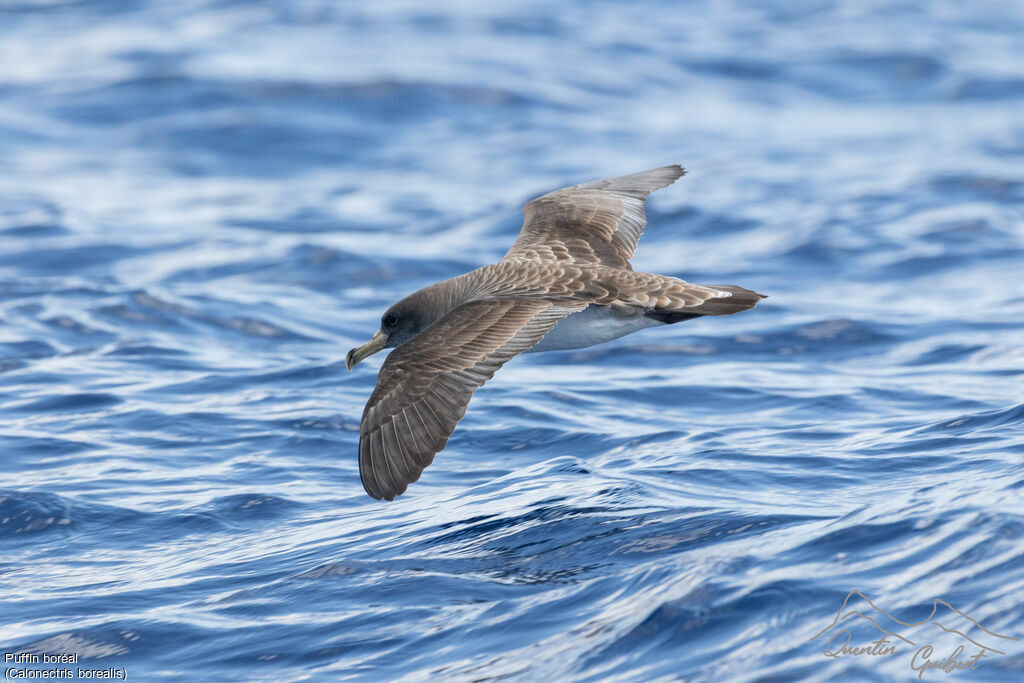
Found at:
(739, 299)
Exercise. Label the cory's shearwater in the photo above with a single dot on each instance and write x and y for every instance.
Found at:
(566, 283)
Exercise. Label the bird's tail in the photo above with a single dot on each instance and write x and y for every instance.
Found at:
(740, 299)
(668, 299)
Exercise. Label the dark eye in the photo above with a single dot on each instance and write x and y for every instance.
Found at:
(390, 320)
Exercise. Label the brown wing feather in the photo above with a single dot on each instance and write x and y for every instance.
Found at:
(425, 385)
(594, 223)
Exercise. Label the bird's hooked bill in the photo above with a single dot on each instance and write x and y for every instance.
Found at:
(376, 343)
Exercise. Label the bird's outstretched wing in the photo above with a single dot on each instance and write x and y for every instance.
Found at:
(425, 384)
(594, 223)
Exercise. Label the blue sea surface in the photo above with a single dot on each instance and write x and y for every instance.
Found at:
(205, 203)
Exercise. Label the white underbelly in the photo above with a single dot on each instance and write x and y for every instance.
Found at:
(593, 325)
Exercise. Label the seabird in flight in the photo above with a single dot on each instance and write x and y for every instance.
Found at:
(566, 283)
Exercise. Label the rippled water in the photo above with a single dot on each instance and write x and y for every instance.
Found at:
(204, 204)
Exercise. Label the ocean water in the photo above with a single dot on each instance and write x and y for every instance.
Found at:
(204, 204)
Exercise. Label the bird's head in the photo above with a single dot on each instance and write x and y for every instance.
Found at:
(399, 324)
